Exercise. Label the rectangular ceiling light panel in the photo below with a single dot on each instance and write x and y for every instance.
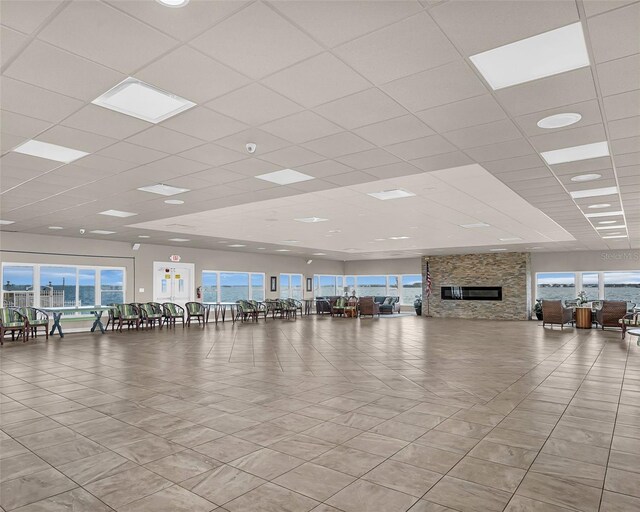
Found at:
(101, 232)
(546, 54)
(50, 151)
(576, 153)
(603, 214)
(284, 177)
(385, 195)
(117, 213)
(163, 190)
(138, 99)
(594, 192)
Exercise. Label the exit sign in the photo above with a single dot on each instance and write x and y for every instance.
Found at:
(175, 258)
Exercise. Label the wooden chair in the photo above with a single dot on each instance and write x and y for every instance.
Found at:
(610, 313)
(130, 315)
(36, 318)
(629, 321)
(195, 310)
(12, 320)
(172, 312)
(151, 313)
(338, 307)
(553, 312)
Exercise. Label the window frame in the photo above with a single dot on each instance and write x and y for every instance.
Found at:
(578, 280)
(290, 286)
(250, 274)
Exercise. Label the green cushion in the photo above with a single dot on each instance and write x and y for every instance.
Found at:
(8, 325)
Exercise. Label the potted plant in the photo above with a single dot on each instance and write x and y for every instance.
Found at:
(417, 304)
(581, 299)
(537, 309)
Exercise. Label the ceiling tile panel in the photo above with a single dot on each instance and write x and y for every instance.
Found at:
(615, 33)
(514, 164)
(622, 146)
(252, 167)
(212, 154)
(418, 148)
(132, 153)
(589, 110)
(163, 139)
(75, 139)
(317, 80)
(547, 93)
(59, 71)
(620, 75)
(325, 168)
(9, 141)
(338, 145)
(395, 170)
(479, 26)
(23, 126)
(500, 151)
(446, 84)
(182, 24)
(363, 108)
(266, 142)
(28, 162)
(333, 23)
(254, 105)
(402, 49)
(257, 42)
(484, 134)
(395, 130)
(292, 156)
(569, 137)
(36, 102)
(368, 159)
(444, 161)
(102, 121)
(100, 33)
(204, 124)
(622, 105)
(26, 16)
(623, 128)
(302, 127)
(192, 75)
(11, 42)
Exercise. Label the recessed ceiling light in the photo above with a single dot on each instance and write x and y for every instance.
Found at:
(535, 247)
(236, 245)
(615, 236)
(173, 3)
(594, 192)
(546, 54)
(311, 219)
(49, 151)
(117, 213)
(174, 201)
(379, 239)
(399, 238)
(179, 240)
(559, 120)
(138, 99)
(599, 205)
(6, 222)
(385, 195)
(291, 241)
(497, 250)
(56, 227)
(615, 233)
(619, 226)
(607, 222)
(512, 239)
(163, 190)
(576, 153)
(602, 214)
(319, 254)
(284, 177)
(586, 177)
(144, 236)
(475, 225)
(283, 250)
(101, 232)
(262, 248)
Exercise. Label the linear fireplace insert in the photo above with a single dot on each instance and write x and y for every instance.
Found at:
(471, 292)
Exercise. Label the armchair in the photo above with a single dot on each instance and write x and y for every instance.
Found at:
(610, 313)
(172, 312)
(12, 320)
(339, 306)
(388, 305)
(151, 313)
(323, 305)
(195, 310)
(128, 314)
(36, 318)
(369, 307)
(629, 321)
(553, 312)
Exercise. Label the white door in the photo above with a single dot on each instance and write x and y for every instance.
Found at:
(173, 282)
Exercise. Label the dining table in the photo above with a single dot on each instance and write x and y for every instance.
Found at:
(57, 314)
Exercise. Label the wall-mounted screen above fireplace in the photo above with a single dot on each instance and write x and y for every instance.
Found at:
(471, 292)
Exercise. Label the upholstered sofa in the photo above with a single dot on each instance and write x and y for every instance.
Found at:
(388, 305)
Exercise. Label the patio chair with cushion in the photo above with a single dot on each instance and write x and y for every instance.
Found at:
(151, 313)
(610, 313)
(629, 321)
(113, 316)
(338, 307)
(129, 314)
(172, 312)
(553, 312)
(260, 307)
(12, 320)
(36, 318)
(368, 307)
(296, 304)
(245, 310)
(195, 310)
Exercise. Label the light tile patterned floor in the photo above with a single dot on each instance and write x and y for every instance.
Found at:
(323, 414)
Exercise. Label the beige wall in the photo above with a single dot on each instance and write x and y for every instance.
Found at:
(383, 267)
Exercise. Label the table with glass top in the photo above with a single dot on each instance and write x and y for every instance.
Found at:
(57, 313)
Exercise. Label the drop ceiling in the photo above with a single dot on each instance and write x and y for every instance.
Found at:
(362, 96)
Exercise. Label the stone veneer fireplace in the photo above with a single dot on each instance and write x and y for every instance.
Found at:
(509, 271)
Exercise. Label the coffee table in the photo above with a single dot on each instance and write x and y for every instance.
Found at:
(583, 317)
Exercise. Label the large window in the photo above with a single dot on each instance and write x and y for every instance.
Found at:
(411, 286)
(231, 286)
(556, 286)
(622, 286)
(590, 285)
(61, 285)
(326, 286)
(371, 285)
(291, 286)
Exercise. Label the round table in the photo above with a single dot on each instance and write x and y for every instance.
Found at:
(636, 333)
(583, 317)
